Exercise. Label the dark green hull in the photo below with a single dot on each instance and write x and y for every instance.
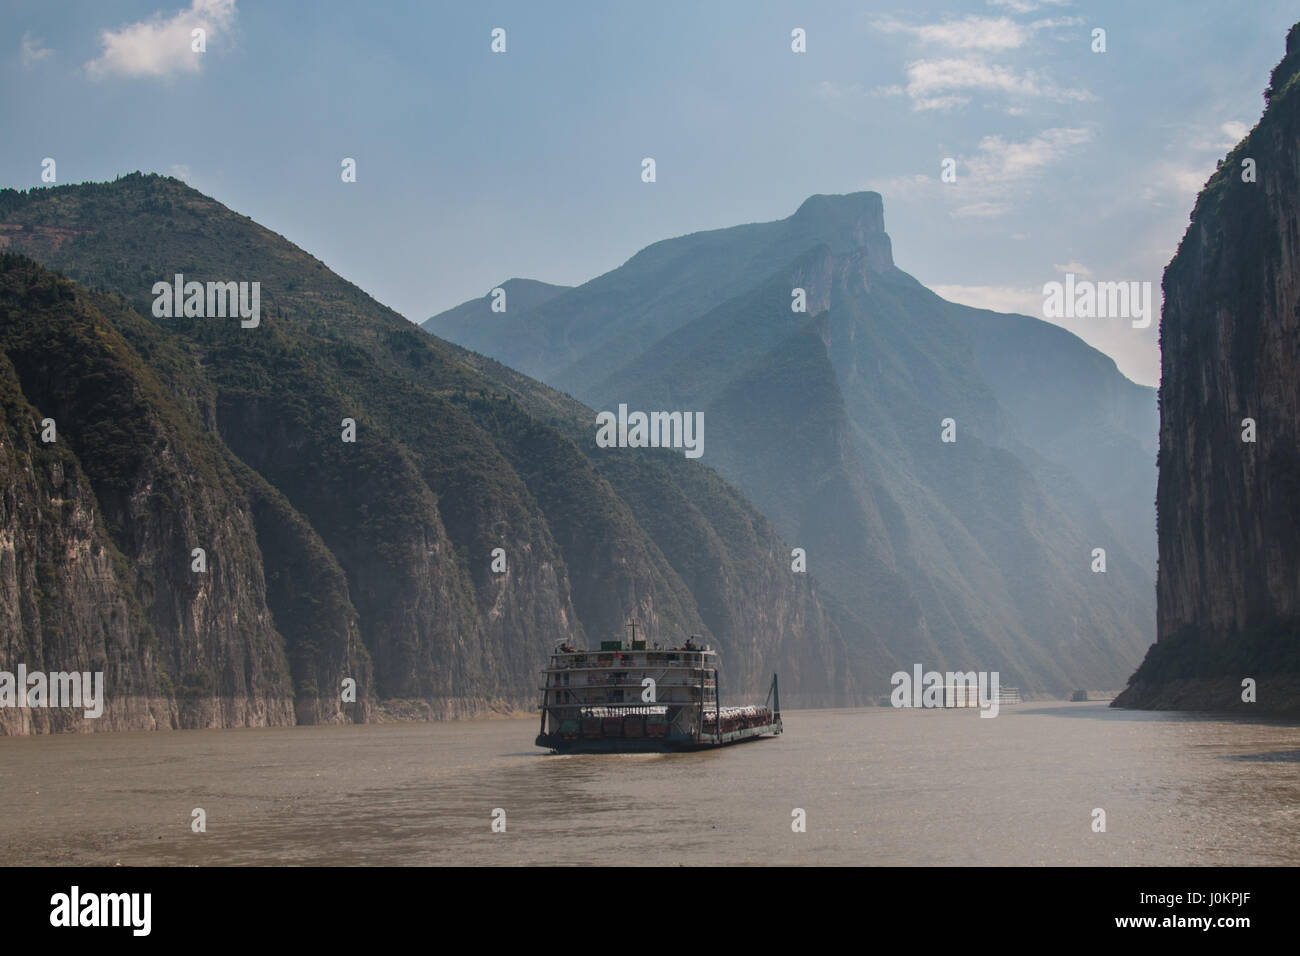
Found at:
(618, 745)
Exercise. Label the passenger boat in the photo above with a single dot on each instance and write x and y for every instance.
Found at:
(635, 698)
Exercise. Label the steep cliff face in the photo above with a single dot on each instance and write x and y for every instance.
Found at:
(307, 593)
(65, 592)
(1228, 523)
(163, 492)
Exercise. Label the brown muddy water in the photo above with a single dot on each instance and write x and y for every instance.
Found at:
(878, 786)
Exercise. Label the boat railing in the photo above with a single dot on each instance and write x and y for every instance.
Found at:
(617, 680)
(632, 659)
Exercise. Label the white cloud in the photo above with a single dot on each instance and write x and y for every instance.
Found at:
(996, 175)
(1000, 162)
(33, 51)
(1027, 6)
(938, 84)
(993, 180)
(974, 32)
(928, 77)
(945, 82)
(1235, 131)
(971, 33)
(1177, 183)
(1212, 137)
(160, 46)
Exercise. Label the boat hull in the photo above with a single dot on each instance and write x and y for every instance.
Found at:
(608, 745)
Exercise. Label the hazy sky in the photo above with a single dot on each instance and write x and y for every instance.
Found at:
(474, 166)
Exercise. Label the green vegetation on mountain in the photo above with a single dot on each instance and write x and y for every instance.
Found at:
(370, 560)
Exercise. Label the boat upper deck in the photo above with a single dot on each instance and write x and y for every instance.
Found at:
(663, 658)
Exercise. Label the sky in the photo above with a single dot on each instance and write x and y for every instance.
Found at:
(474, 166)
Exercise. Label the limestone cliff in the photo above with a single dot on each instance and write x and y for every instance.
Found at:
(1228, 588)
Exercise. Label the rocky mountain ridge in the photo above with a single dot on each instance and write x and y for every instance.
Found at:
(330, 560)
(974, 553)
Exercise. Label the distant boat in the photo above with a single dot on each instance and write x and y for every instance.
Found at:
(966, 695)
(1079, 695)
(635, 699)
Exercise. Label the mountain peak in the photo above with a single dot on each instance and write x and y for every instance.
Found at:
(865, 210)
(848, 223)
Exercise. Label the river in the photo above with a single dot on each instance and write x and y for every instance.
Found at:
(876, 786)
